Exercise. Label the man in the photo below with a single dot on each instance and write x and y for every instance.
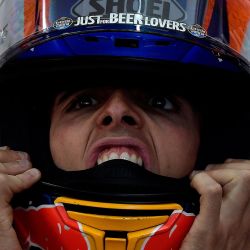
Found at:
(159, 130)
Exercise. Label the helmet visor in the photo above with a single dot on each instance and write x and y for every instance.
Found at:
(37, 21)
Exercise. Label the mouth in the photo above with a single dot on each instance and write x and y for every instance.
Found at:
(122, 153)
(123, 148)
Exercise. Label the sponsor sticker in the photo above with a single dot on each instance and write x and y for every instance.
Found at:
(63, 23)
(120, 18)
(197, 31)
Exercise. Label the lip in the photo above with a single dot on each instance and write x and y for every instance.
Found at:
(129, 142)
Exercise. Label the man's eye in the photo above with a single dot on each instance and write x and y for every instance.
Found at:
(83, 102)
(161, 102)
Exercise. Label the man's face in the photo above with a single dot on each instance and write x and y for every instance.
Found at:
(158, 131)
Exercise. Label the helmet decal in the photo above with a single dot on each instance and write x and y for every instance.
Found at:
(197, 31)
(170, 9)
(63, 23)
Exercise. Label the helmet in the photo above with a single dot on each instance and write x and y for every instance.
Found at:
(168, 30)
(114, 207)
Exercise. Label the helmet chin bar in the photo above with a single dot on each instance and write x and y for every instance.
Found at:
(116, 205)
(119, 181)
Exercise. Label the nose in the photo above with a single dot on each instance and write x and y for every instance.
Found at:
(120, 110)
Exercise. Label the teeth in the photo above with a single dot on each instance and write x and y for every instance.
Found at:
(133, 158)
(113, 156)
(99, 161)
(125, 156)
(106, 156)
(139, 161)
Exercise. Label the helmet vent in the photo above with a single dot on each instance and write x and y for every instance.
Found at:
(162, 43)
(129, 43)
(91, 39)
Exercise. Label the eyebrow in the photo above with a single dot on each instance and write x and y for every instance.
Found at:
(64, 95)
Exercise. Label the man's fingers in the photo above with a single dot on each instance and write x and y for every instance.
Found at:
(234, 177)
(235, 185)
(209, 190)
(236, 190)
(26, 179)
(10, 184)
(7, 155)
(238, 164)
(16, 174)
(205, 227)
(13, 162)
(223, 220)
(16, 167)
(4, 148)
(231, 160)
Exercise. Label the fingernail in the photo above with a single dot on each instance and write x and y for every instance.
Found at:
(195, 172)
(209, 166)
(34, 172)
(4, 148)
(23, 155)
(24, 163)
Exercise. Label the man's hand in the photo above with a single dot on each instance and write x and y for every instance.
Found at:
(16, 174)
(224, 219)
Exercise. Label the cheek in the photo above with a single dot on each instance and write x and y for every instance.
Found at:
(65, 145)
(177, 151)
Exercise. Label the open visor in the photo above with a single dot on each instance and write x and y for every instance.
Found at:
(173, 30)
(130, 41)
